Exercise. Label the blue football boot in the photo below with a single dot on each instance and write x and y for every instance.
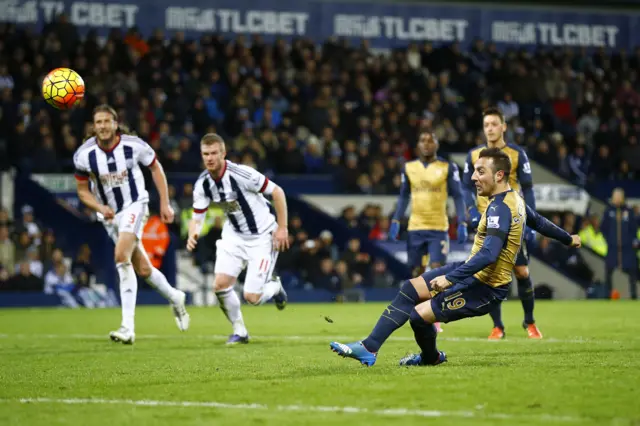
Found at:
(355, 350)
(416, 360)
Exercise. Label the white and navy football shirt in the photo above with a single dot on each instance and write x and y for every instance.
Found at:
(116, 177)
(239, 192)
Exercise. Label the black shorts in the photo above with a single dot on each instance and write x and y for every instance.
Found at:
(466, 299)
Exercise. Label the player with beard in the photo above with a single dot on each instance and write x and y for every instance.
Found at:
(462, 289)
(110, 161)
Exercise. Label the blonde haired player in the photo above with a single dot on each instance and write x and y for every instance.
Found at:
(111, 161)
(251, 236)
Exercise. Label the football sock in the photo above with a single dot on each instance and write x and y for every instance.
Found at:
(269, 290)
(393, 317)
(425, 335)
(158, 281)
(496, 316)
(128, 293)
(525, 291)
(230, 306)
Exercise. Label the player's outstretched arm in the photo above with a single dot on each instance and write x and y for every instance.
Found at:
(401, 207)
(549, 229)
(160, 180)
(89, 200)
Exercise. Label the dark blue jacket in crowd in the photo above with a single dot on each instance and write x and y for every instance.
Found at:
(620, 228)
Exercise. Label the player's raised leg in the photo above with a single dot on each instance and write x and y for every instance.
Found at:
(411, 293)
(144, 269)
(125, 245)
(260, 284)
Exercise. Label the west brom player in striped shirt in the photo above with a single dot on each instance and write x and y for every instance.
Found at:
(111, 162)
(251, 236)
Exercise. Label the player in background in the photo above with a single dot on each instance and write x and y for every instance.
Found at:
(251, 236)
(111, 160)
(462, 289)
(427, 182)
(520, 180)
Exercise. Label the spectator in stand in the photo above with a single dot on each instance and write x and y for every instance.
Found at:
(327, 248)
(23, 245)
(59, 281)
(380, 277)
(24, 281)
(30, 225)
(348, 279)
(356, 260)
(381, 230)
(327, 278)
(47, 248)
(7, 251)
(349, 217)
(509, 107)
(620, 229)
(4, 219)
(35, 264)
(602, 165)
(155, 240)
(81, 269)
(578, 166)
(592, 237)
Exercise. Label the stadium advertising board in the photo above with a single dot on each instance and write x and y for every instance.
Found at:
(384, 25)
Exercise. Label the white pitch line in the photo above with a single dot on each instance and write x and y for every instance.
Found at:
(391, 412)
(318, 338)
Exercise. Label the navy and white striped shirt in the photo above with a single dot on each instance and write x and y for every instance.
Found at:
(116, 178)
(239, 193)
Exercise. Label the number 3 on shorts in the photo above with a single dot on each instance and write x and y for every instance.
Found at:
(132, 218)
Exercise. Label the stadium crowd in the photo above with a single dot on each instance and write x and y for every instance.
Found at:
(295, 108)
(31, 261)
(303, 108)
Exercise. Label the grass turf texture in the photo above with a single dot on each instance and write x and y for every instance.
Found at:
(59, 367)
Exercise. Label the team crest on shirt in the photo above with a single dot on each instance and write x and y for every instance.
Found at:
(130, 163)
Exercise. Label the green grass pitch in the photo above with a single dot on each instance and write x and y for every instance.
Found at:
(57, 367)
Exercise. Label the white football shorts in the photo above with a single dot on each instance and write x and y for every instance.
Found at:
(233, 253)
(131, 219)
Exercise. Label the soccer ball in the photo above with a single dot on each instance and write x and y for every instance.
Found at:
(62, 88)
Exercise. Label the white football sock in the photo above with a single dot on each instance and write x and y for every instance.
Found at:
(128, 293)
(270, 289)
(230, 305)
(158, 281)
